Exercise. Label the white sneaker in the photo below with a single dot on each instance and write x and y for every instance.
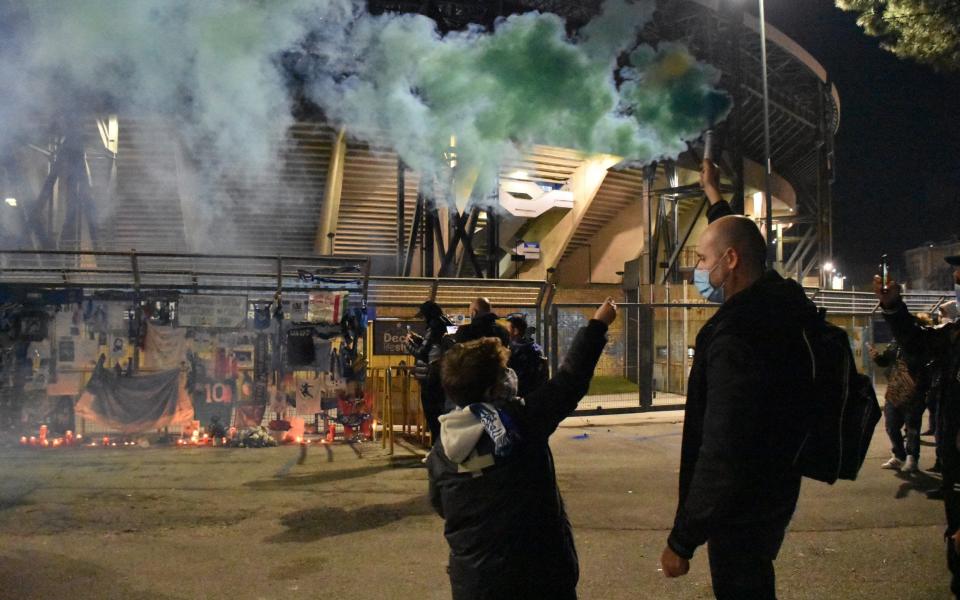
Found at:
(893, 464)
(910, 466)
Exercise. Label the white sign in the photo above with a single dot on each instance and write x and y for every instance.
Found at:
(212, 311)
(529, 250)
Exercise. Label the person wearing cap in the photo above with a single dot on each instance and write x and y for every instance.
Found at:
(943, 342)
(427, 352)
(483, 323)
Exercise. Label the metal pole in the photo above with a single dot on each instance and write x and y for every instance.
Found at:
(666, 376)
(493, 234)
(401, 213)
(768, 166)
(428, 239)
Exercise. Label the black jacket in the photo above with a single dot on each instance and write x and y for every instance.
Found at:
(943, 344)
(505, 522)
(745, 397)
(481, 327)
(529, 363)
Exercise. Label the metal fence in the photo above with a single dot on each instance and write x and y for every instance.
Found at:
(647, 360)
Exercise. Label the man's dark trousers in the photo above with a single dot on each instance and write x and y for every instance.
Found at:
(950, 459)
(741, 564)
(895, 419)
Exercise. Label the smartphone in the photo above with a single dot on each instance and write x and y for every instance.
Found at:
(451, 329)
(884, 273)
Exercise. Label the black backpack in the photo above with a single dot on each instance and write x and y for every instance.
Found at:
(844, 410)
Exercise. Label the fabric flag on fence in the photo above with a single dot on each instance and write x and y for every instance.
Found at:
(253, 403)
(249, 416)
(308, 394)
(217, 400)
(135, 404)
(165, 347)
(326, 307)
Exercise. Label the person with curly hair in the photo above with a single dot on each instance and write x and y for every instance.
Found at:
(491, 473)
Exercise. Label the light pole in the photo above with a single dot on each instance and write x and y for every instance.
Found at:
(768, 166)
(767, 161)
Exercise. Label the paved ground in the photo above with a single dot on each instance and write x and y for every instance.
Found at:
(212, 523)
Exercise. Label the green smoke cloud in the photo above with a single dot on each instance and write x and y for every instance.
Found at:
(525, 82)
(393, 80)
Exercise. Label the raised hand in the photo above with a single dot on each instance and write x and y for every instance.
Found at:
(607, 313)
(710, 181)
(890, 297)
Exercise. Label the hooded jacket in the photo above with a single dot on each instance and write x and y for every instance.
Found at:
(493, 481)
(747, 388)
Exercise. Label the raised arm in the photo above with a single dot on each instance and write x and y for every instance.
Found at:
(710, 180)
(915, 339)
(558, 397)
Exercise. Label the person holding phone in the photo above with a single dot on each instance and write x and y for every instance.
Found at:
(944, 343)
(427, 352)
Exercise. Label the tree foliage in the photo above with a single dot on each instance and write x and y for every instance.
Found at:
(927, 31)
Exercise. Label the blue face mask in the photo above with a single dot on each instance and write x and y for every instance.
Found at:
(701, 281)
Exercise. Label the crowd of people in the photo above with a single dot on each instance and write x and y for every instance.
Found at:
(491, 408)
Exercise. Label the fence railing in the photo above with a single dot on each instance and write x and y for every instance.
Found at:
(864, 303)
(652, 344)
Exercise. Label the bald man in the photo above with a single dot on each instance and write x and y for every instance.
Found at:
(740, 433)
(483, 323)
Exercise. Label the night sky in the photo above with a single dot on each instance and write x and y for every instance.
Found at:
(898, 148)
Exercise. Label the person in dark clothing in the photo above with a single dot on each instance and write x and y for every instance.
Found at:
(741, 428)
(492, 477)
(526, 357)
(904, 406)
(483, 323)
(944, 343)
(427, 351)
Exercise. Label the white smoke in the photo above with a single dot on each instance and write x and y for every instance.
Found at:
(214, 69)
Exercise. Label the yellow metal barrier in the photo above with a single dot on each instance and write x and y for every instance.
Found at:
(397, 405)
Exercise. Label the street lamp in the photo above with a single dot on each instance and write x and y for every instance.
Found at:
(826, 275)
(767, 162)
